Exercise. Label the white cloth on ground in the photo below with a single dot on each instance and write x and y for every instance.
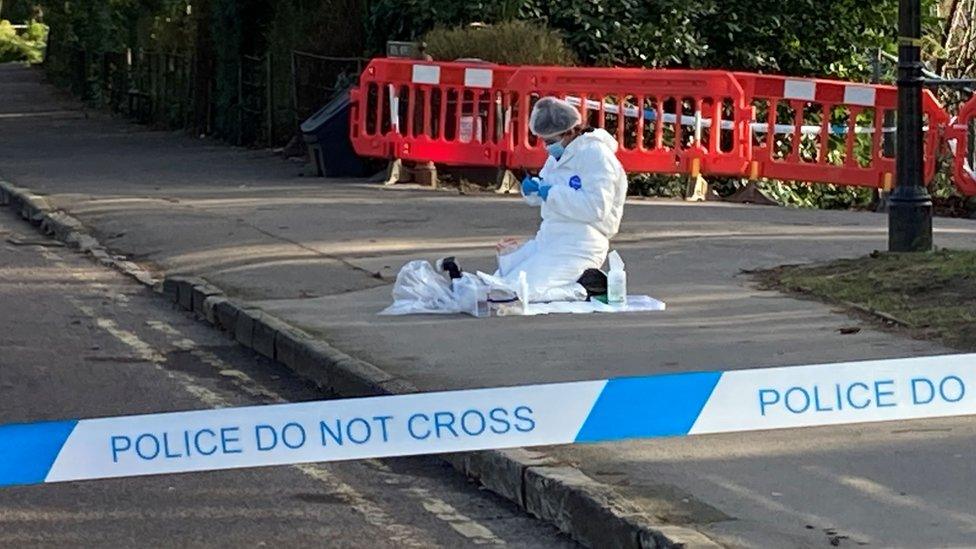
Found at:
(420, 289)
(635, 304)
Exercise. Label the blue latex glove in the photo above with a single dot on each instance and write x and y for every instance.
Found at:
(544, 191)
(530, 185)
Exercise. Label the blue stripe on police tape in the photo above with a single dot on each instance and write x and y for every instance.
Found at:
(658, 406)
(28, 450)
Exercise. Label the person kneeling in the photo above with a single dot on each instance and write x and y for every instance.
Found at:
(581, 190)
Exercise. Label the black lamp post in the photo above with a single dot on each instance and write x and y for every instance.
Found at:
(910, 205)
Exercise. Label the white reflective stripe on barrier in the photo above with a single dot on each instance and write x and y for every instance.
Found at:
(426, 74)
(805, 90)
(394, 109)
(863, 96)
(478, 78)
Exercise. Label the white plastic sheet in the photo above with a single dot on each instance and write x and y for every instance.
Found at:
(635, 304)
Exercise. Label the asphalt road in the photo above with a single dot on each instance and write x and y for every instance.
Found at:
(78, 340)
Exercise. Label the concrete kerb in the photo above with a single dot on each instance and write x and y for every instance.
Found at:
(266, 330)
(225, 315)
(199, 296)
(170, 288)
(289, 345)
(244, 326)
(664, 536)
(184, 289)
(568, 498)
(210, 305)
(62, 226)
(589, 511)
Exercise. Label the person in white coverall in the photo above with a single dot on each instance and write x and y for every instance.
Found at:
(581, 189)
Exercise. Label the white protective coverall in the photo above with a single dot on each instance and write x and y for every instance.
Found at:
(580, 216)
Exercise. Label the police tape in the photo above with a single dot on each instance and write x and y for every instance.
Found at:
(479, 419)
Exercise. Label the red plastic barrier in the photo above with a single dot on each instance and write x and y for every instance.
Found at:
(829, 131)
(450, 113)
(665, 121)
(963, 130)
(477, 114)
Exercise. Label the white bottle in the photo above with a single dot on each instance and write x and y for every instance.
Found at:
(616, 280)
(523, 291)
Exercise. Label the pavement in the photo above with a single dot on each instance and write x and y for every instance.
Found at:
(320, 255)
(82, 341)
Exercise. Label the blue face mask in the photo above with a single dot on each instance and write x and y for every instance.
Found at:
(556, 149)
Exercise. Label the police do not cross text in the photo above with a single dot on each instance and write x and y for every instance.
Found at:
(292, 435)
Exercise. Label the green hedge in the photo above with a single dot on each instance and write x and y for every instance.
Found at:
(27, 46)
(511, 43)
(799, 37)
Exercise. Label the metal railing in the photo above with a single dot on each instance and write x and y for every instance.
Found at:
(317, 78)
(273, 96)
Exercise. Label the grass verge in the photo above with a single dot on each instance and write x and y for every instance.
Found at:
(933, 295)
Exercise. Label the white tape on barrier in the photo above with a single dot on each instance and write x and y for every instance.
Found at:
(534, 415)
(698, 121)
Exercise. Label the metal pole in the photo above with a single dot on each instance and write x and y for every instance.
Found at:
(881, 205)
(876, 68)
(910, 206)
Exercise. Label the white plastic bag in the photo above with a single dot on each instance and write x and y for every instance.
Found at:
(420, 289)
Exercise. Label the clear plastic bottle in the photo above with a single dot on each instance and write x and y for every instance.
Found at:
(616, 280)
(523, 293)
(483, 310)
